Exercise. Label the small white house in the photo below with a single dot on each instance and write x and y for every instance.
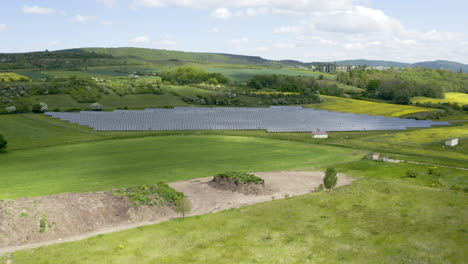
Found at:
(451, 142)
(320, 134)
(376, 156)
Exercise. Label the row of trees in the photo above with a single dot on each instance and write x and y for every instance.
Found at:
(400, 85)
(192, 75)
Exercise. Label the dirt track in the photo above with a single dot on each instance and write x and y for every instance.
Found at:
(204, 199)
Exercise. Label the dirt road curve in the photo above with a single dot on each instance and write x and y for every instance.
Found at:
(206, 199)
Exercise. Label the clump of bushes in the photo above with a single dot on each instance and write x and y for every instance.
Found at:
(330, 179)
(151, 195)
(96, 106)
(411, 174)
(40, 108)
(3, 143)
(241, 177)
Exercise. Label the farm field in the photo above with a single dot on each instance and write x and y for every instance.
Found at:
(372, 221)
(460, 98)
(11, 76)
(347, 105)
(343, 86)
(128, 162)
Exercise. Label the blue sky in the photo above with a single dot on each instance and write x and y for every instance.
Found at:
(306, 30)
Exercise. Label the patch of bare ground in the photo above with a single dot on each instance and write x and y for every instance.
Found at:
(75, 216)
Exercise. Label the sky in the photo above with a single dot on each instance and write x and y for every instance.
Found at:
(305, 30)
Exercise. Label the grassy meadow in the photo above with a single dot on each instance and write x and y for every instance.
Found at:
(460, 98)
(375, 220)
(127, 162)
(347, 105)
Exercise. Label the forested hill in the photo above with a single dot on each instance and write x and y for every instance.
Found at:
(88, 57)
(437, 64)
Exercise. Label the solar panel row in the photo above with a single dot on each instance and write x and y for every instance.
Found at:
(273, 119)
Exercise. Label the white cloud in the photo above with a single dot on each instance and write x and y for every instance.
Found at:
(356, 20)
(141, 40)
(240, 41)
(215, 30)
(82, 19)
(150, 3)
(108, 3)
(256, 11)
(3, 27)
(287, 29)
(284, 45)
(435, 35)
(37, 10)
(105, 23)
(221, 13)
(165, 44)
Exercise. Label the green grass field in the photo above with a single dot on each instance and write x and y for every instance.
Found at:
(347, 105)
(460, 98)
(119, 163)
(375, 220)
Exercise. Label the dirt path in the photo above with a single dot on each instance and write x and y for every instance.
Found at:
(206, 199)
(423, 163)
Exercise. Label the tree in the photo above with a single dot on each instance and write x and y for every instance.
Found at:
(330, 178)
(96, 106)
(3, 143)
(184, 207)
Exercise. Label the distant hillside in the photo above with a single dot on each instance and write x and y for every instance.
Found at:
(373, 63)
(442, 64)
(437, 64)
(88, 57)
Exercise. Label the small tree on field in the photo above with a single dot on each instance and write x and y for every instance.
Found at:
(330, 178)
(96, 106)
(184, 207)
(3, 143)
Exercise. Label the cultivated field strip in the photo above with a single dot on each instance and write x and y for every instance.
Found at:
(273, 119)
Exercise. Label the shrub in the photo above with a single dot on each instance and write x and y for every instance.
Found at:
(11, 109)
(241, 177)
(96, 106)
(158, 194)
(411, 174)
(40, 108)
(42, 225)
(3, 143)
(73, 110)
(330, 179)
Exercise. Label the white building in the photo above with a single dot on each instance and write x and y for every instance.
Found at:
(451, 142)
(320, 134)
(376, 156)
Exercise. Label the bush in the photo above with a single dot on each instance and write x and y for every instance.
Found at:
(96, 106)
(151, 195)
(3, 143)
(10, 109)
(40, 108)
(330, 179)
(411, 174)
(241, 177)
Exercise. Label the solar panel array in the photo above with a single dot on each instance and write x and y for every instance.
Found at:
(273, 119)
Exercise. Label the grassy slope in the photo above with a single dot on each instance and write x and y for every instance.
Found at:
(33, 130)
(459, 98)
(120, 163)
(371, 221)
(339, 104)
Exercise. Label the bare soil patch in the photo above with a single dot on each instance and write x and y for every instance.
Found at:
(75, 216)
(249, 188)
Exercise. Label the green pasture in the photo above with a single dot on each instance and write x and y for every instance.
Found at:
(347, 105)
(460, 98)
(126, 162)
(241, 75)
(375, 220)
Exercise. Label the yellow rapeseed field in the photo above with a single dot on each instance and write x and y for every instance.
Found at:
(347, 105)
(460, 98)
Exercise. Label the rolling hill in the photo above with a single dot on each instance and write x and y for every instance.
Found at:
(86, 57)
